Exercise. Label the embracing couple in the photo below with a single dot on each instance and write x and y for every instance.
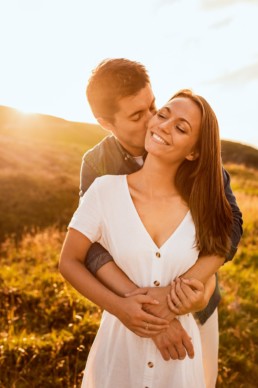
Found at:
(156, 220)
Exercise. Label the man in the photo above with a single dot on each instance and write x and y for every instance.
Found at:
(122, 101)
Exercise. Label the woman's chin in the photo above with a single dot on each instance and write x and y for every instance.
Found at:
(154, 148)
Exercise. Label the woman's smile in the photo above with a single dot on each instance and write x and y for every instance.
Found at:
(158, 139)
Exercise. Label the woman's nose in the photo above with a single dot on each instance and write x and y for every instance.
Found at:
(164, 126)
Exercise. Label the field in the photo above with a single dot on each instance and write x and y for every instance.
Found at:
(46, 328)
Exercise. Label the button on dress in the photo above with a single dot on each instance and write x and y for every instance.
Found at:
(118, 357)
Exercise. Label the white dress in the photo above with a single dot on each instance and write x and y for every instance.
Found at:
(119, 358)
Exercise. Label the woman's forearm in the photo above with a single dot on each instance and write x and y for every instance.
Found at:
(204, 268)
(71, 266)
(128, 310)
(115, 279)
(209, 288)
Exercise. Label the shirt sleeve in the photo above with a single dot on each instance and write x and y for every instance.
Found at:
(97, 255)
(88, 217)
(237, 229)
(88, 174)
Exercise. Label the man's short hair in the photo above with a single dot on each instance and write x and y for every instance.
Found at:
(112, 80)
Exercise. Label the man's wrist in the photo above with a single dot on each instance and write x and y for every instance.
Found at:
(170, 316)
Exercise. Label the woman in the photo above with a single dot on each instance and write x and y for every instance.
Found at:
(131, 217)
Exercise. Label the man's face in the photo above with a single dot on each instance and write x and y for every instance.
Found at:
(130, 122)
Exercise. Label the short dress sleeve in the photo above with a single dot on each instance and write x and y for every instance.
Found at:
(87, 217)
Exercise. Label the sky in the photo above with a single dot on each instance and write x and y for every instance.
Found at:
(49, 48)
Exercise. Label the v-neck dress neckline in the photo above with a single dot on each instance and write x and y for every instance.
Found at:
(133, 211)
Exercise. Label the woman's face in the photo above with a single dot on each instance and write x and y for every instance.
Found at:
(174, 130)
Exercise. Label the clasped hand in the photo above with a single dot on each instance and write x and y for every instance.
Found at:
(141, 322)
(186, 295)
(182, 297)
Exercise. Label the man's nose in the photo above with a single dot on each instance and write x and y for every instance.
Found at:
(149, 115)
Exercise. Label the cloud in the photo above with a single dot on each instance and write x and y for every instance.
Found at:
(211, 4)
(222, 23)
(243, 75)
(161, 3)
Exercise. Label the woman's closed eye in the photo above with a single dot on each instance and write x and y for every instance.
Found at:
(161, 114)
(180, 129)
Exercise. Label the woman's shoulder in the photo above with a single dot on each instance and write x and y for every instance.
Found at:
(108, 182)
(104, 189)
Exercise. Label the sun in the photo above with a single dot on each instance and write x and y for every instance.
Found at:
(25, 111)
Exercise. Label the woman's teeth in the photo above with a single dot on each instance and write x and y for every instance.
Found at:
(159, 139)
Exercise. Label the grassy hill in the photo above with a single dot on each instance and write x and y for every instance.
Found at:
(52, 130)
(46, 329)
(39, 175)
(239, 154)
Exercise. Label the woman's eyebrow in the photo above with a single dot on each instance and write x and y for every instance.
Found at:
(180, 118)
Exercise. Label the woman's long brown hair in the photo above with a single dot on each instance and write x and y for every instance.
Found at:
(200, 182)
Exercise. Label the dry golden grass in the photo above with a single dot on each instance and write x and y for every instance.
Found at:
(46, 329)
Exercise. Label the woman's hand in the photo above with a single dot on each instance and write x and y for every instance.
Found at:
(186, 295)
(130, 312)
(160, 309)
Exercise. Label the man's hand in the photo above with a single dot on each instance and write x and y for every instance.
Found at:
(174, 343)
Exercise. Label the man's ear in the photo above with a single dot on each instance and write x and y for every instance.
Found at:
(105, 124)
(193, 156)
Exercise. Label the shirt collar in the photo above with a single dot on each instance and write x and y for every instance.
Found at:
(125, 153)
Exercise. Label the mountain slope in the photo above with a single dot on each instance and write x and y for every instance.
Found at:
(237, 153)
(48, 129)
